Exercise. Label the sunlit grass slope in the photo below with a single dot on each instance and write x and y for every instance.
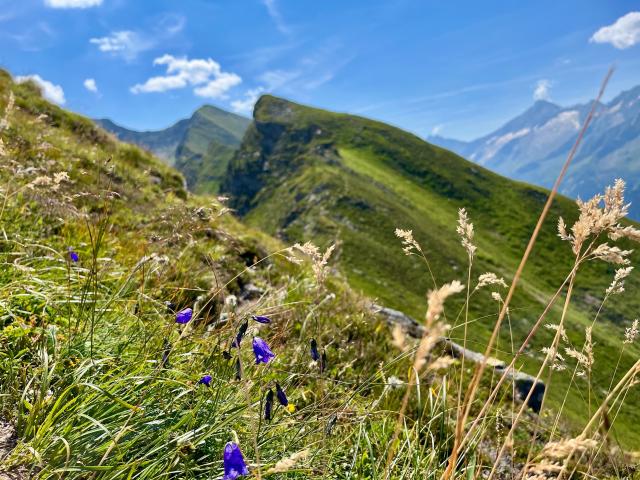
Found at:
(304, 173)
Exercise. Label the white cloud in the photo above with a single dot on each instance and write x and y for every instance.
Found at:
(246, 104)
(90, 84)
(125, 43)
(50, 91)
(542, 90)
(623, 33)
(276, 16)
(72, 3)
(204, 74)
(437, 130)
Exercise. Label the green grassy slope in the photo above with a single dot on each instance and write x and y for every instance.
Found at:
(81, 343)
(304, 173)
(199, 147)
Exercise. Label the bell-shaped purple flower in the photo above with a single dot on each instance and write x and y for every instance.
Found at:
(282, 398)
(73, 256)
(262, 351)
(268, 405)
(261, 319)
(314, 350)
(234, 464)
(184, 316)
(206, 380)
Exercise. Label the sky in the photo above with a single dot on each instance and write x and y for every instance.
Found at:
(457, 69)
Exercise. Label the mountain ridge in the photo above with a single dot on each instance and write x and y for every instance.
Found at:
(199, 146)
(533, 145)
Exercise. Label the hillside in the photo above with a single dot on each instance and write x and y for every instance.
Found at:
(101, 246)
(533, 146)
(199, 147)
(304, 173)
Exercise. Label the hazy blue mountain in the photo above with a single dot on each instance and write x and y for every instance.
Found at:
(200, 147)
(533, 146)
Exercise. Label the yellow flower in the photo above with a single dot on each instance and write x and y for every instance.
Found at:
(291, 407)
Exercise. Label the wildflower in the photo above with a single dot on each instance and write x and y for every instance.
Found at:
(206, 380)
(394, 382)
(184, 316)
(282, 398)
(314, 350)
(291, 408)
(261, 319)
(234, 464)
(241, 331)
(262, 351)
(268, 405)
(73, 255)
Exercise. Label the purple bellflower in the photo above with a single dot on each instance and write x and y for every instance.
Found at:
(184, 316)
(282, 398)
(262, 351)
(234, 464)
(314, 350)
(268, 405)
(261, 319)
(73, 255)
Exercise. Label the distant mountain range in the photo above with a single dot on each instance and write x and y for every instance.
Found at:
(200, 147)
(533, 146)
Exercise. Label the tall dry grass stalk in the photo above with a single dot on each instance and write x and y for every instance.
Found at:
(475, 381)
(434, 330)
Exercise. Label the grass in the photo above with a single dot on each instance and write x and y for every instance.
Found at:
(101, 383)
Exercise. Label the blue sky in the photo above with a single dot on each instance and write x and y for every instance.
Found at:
(459, 69)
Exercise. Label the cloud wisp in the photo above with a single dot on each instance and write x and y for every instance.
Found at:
(52, 92)
(128, 44)
(276, 16)
(72, 3)
(542, 90)
(246, 104)
(90, 84)
(205, 75)
(623, 33)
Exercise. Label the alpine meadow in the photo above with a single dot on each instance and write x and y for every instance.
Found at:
(267, 289)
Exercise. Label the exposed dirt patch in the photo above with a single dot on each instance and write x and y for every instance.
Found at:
(8, 440)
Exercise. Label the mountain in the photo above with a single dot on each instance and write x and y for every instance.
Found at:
(302, 173)
(533, 146)
(200, 147)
